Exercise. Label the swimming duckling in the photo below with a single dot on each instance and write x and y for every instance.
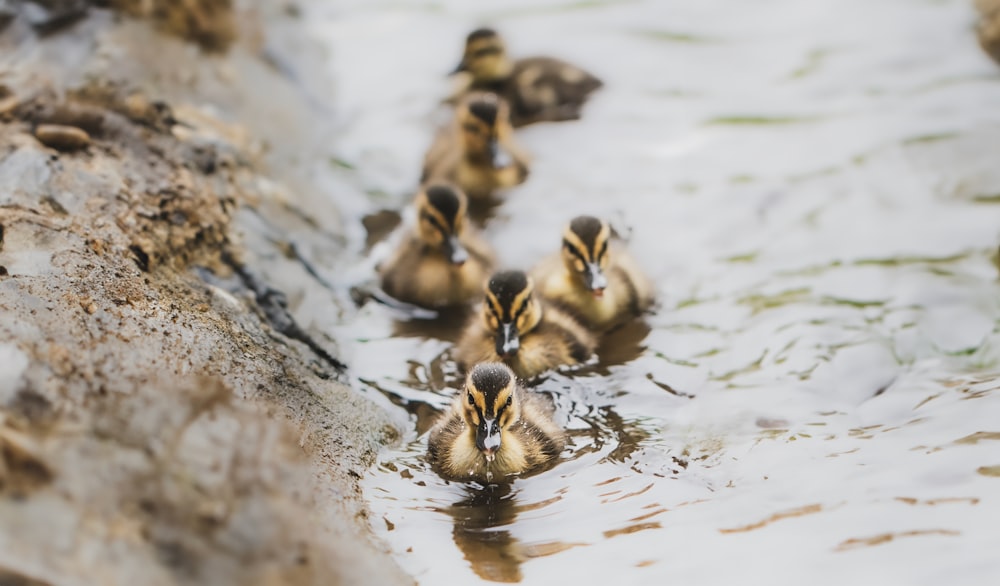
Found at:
(516, 328)
(495, 429)
(593, 276)
(477, 152)
(537, 88)
(440, 263)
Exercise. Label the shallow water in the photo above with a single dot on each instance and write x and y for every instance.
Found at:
(812, 185)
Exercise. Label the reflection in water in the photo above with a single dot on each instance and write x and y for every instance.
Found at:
(378, 225)
(622, 345)
(480, 519)
(605, 426)
(493, 553)
(447, 326)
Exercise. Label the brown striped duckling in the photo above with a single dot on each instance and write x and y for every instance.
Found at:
(517, 328)
(593, 276)
(477, 152)
(537, 88)
(441, 262)
(494, 430)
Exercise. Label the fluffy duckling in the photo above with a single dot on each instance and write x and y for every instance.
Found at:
(593, 276)
(516, 328)
(440, 263)
(537, 88)
(494, 430)
(477, 152)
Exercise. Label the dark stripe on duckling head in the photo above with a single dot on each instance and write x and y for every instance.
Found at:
(507, 287)
(485, 108)
(587, 229)
(481, 33)
(445, 199)
(490, 378)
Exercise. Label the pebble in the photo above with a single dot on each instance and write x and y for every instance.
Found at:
(61, 137)
(7, 105)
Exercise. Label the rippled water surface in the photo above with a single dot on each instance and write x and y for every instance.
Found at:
(813, 186)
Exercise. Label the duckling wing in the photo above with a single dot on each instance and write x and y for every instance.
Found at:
(557, 341)
(549, 277)
(641, 292)
(442, 157)
(543, 438)
(475, 345)
(543, 88)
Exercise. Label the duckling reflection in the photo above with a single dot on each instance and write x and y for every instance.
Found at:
(493, 553)
(477, 152)
(537, 88)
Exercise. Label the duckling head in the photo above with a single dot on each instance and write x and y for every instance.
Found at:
(585, 252)
(490, 405)
(485, 56)
(484, 122)
(510, 309)
(441, 218)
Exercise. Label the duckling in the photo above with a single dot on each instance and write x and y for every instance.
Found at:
(537, 88)
(441, 263)
(477, 152)
(593, 276)
(518, 329)
(494, 430)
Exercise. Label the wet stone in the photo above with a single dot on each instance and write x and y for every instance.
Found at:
(7, 103)
(63, 138)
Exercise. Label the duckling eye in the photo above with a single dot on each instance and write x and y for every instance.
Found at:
(510, 399)
(469, 396)
(471, 128)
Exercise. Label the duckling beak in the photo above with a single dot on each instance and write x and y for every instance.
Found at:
(507, 340)
(596, 280)
(454, 250)
(499, 157)
(461, 67)
(488, 438)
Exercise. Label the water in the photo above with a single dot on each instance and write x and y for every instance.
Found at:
(813, 187)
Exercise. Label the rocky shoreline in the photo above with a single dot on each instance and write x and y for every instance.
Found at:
(165, 418)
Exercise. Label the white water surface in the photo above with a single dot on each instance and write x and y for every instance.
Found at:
(813, 186)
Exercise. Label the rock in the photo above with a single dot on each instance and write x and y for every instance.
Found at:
(6, 14)
(15, 363)
(166, 429)
(7, 105)
(50, 16)
(61, 137)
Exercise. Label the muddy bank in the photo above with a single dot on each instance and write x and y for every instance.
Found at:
(165, 415)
